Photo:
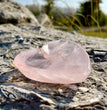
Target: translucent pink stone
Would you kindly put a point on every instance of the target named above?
(60, 62)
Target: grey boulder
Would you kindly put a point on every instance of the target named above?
(15, 13)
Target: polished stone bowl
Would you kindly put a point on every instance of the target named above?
(59, 62)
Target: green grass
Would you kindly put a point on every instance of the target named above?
(90, 33)
(95, 34)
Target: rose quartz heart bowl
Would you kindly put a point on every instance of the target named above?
(58, 62)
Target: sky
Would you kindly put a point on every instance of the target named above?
(72, 3)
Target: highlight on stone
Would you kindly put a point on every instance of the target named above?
(59, 62)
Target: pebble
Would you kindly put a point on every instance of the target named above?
(83, 89)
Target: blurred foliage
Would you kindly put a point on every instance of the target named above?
(92, 14)
(35, 9)
(103, 19)
(95, 34)
(89, 14)
(48, 7)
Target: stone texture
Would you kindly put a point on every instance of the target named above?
(5, 0)
(89, 94)
(20, 93)
(12, 12)
(44, 20)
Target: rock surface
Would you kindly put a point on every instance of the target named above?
(20, 93)
(12, 12)
(5, 0)
(44, 20)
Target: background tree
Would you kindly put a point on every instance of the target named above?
(91, 12)
(34, 8)
(97, 8)
(49, 7)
